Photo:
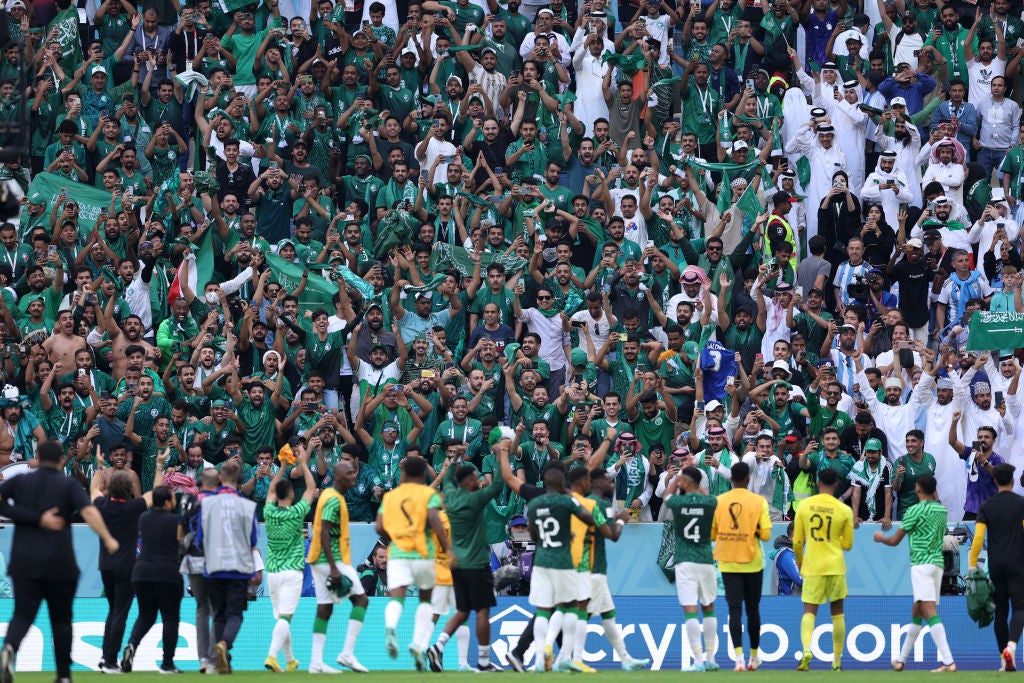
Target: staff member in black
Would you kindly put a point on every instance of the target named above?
(41, 505)
(157, 582)
(1001, 517)
(121, 511)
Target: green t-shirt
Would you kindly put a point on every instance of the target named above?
(385, 460)
(551, 517)
(906, 496)
(925, 525)
(842, 464)
(259, 427)
(692, 514)
(468, 524)
(658, 429)
(284, 526)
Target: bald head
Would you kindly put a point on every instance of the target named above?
(344, 476)
(209, 480)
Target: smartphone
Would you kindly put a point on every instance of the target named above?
(105, 396)
(750, 84)
(999, 399)
(730, 381)
(273, 165)
(498, 170)
(51, 249)
(904, 206)
(576, 323)
(675, 462)
(700, 405)
(937, 26)
(81, 372)
(800, 291)
(426, 374)
(623, 336)
(976, 445)
(542, 238)
(365, 23)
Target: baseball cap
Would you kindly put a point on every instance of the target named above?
(782, 197)
(826, 364)
(847, 328)
(781, 365)
(873, 445)
(915, 243)
(898, 102)
(691, 349)
(36, 198)
(578, 357)
(852, 34)
(931, 236)
(739, 144)
(218, 403)
(713, 404)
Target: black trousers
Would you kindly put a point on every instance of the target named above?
(59, 595)
(118, 589)
(1009, 593)
(228, 598)
(744, 590)
(164, 598)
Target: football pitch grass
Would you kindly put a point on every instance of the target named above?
(822, 674)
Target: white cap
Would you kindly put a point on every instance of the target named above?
(852, 34)
(739, 144)
(781, 365)
(99, 70)
(713, 404)
(898, 102)
(915, 243)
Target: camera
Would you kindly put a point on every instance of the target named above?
(858, 289)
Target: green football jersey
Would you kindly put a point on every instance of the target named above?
(906, 496)
(284, 526)
(692, 514)
(551, 516)
(925, 524)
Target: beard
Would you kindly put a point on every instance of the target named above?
(903, 138)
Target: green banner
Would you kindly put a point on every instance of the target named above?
(995, 330)
(90, 199)
(319, 290)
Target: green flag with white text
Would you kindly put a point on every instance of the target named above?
(995, 330)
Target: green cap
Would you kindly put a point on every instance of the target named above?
(691, 350)
(36, 198)
(510, 351)
(873, 445)
(218, 403)
(392, 425)
(578, 357)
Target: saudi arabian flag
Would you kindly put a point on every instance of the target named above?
(90, 199)
(995, 330)
(64, 28)
(749, 203)
(446, 257)
(319, 290)
(229, 6)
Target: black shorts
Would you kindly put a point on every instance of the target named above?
(474, 589)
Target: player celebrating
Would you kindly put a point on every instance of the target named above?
(284, 519)
(405, 514)
(554, 581)
(602, 488)
(692, 515)
(741, 521)
(472, 580)
(827, 523)
(334, 577)
(925, 524)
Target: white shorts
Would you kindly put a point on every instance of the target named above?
(551, 587)
(405, 572)
(696, 583)
(600, 595)
(285, 589)
(442, 599)
(322, 572)
(926, 581)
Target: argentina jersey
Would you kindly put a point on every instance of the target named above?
(718, 364)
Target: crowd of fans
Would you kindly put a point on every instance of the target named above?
(390, 228)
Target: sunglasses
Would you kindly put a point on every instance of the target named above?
(544, 298)
(714, 248)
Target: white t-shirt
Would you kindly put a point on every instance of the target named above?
(374, 377)
(979, 79)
